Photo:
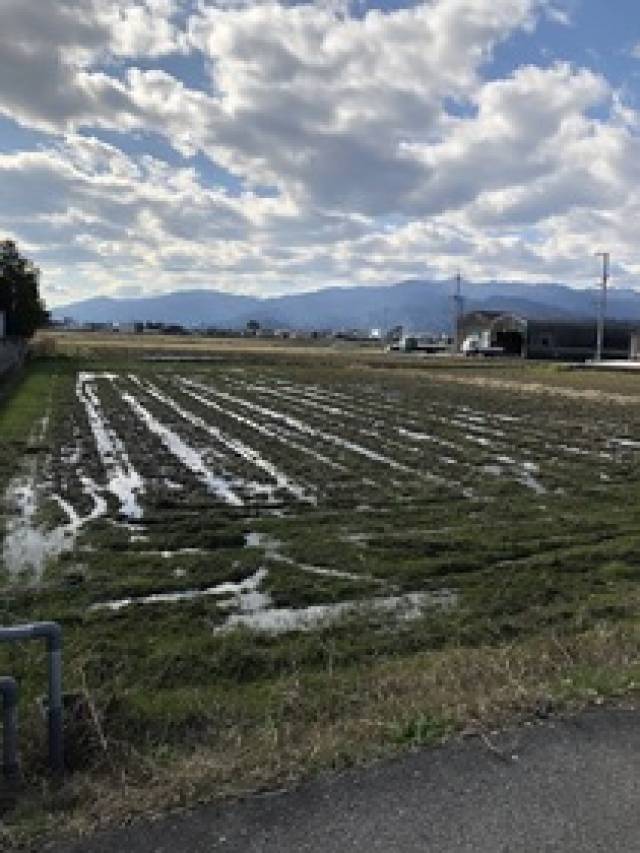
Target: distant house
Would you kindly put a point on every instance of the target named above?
(98, 327)
(517, 335)
(425, 342)
(352, 335)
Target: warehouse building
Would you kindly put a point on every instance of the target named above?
(516, 335)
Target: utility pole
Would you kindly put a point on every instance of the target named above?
(602, 306)
(457, 314)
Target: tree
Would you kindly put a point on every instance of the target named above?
(20, 292)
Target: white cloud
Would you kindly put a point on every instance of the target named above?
(319, 104)
(49, 53)
(344, 118)
(143, 28)
(87, 202)
(560, 12)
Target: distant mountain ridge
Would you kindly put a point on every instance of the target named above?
(416, 305)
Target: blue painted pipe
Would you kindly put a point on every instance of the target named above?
(9, 693)
(52, 633)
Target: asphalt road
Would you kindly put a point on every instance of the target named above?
(562, 785)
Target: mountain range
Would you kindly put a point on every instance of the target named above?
(416, 305)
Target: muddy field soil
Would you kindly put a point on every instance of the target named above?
(207, 532)
(168, 462)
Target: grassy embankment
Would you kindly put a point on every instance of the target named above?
(547, 588)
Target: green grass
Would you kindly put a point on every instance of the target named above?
(545, 585)
(27, 400)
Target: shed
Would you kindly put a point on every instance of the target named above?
(553, 339)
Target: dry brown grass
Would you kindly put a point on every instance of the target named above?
(532, 387)
(360, 716)
(100, 343)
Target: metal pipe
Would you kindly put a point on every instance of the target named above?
(9, 693)
(52, 633)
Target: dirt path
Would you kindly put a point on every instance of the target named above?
(566, 785)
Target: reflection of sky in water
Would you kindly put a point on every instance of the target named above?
(123, 480)
(27, 547)
(280, 619)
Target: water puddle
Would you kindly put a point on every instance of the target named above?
(356, 538)
(260, 428)
(523, 472)
(272, 549)
(478, 439)
(416, 435)
(625, 442)
(307, 429)
(189, 456)
(244, 595)
(123, 480)
(26, 546)
(277, 620)
(248, 454)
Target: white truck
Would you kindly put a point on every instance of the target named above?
(480, 344)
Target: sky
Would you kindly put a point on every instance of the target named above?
(149, 146)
